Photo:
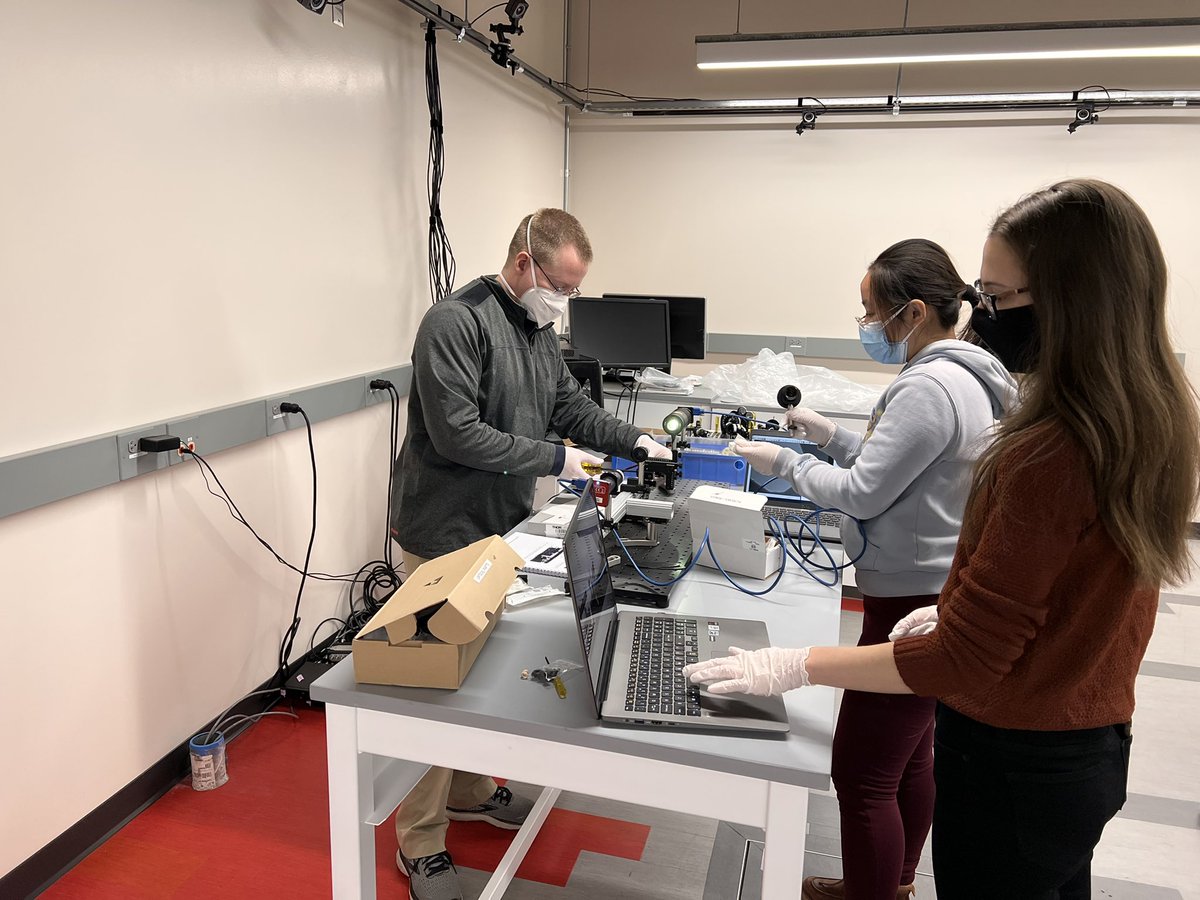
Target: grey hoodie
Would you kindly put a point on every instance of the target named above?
(907, 479)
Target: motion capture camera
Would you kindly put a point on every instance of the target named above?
(808, 121)
(502, 47)
(317, 6)
(1084, 115)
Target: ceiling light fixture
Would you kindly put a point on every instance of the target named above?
(1125, 38)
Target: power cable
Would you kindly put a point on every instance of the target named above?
(441, 255)
(289, 636)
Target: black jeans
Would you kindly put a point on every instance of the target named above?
(1018, 813)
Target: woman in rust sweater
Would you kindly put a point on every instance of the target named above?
(1078, 512)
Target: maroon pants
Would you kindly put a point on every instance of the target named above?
(883, 771)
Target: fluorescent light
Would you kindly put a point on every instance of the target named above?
(987, 43)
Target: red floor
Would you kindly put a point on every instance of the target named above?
(265, 833)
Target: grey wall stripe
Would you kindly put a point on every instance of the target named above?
(38, 477)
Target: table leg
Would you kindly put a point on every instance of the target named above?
(351, 795)
(783, 852)
(507, 868)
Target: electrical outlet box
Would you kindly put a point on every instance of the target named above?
(218, 429)
(278, 422)
(795, 346)
(401, 379)
(132, 462)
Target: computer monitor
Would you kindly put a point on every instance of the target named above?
(622, 334)
(687, 323)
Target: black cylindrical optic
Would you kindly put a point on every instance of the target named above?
(788, 396)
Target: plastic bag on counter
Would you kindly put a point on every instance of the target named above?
(757, 382)
(825, 390)
(663, 381)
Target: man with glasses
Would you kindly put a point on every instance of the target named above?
(489, 386)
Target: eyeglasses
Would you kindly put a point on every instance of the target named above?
(976, 296)
(866, 319)
(570, 295)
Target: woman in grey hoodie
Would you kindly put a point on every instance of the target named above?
(906, 481)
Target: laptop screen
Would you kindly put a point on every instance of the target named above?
(775, 487)
(591, 588)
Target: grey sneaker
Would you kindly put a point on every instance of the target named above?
(431, 877)
(504, 809)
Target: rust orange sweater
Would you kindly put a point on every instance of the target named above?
(1041, 625)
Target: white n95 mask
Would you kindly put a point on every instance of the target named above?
(542, 304)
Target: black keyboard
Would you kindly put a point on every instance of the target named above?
(833, 519)
(662, 646)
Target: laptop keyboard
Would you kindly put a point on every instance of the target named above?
(662, 646)
(833, 519)
(589, 628)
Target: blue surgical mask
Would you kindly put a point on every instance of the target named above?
(875, 341)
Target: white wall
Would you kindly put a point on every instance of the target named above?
(776, 230)
(206, 202)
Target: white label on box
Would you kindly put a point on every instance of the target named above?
(752, 545)
(483, 570)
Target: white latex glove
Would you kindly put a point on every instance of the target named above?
(804, 423)
(771, 670)
(573, 464)
(760, 454)
(653, 447)
(919, 621)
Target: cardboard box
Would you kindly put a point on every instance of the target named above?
(734, 523)
(460, 597)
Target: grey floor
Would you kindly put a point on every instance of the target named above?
(1151, 851)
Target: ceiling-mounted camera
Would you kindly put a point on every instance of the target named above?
(502, 47)
(1085, 114)
(808, 121)
(317, 6)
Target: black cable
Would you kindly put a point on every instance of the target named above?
(289, 636)
(441, 256)
(471, 24)
(313, 639)
(238, 516)
(394, 422)
(633, 416)
(611, 93)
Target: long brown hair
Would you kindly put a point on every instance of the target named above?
(1106, 372)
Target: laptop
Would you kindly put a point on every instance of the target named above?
(633, 659)
(784, 501)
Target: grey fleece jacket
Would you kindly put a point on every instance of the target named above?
(907, 479)
(488, 387)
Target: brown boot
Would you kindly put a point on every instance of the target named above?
(835, 889)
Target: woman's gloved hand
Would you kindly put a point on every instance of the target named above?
(919, 621)
(760, 454)
(771, 670)
(804, 423)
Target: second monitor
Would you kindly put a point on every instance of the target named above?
(629, 333)
(687, 323)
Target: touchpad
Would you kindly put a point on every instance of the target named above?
(729, 705)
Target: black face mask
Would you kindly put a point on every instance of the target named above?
(1013, 336)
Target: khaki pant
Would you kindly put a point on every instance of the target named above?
(421, 821)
